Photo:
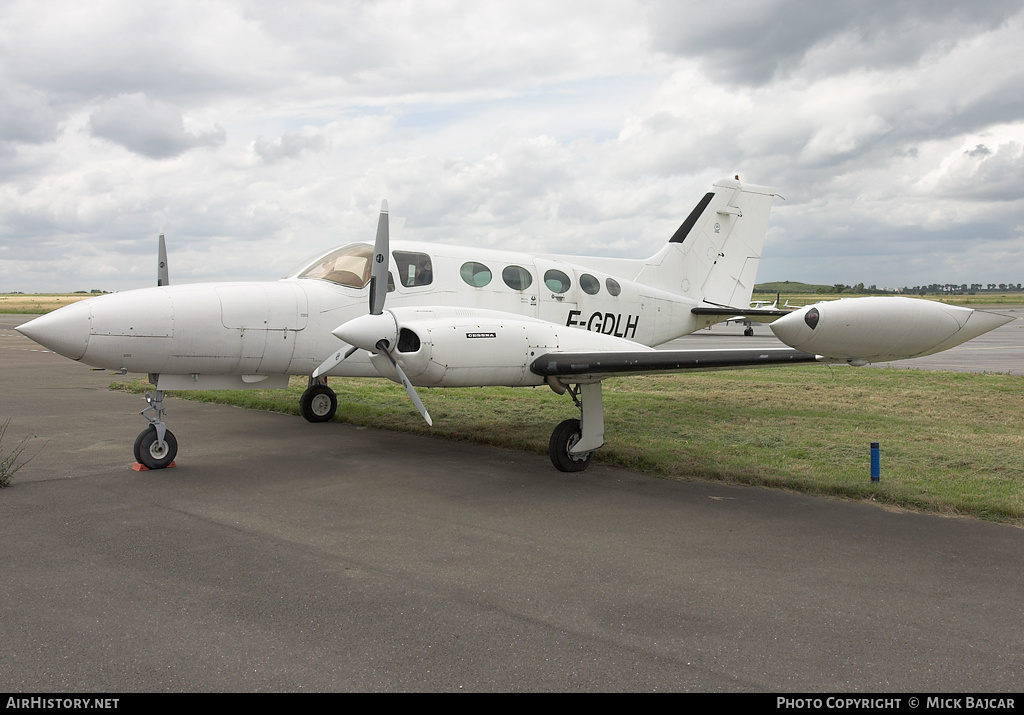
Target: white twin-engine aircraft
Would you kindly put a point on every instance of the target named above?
(464, 317)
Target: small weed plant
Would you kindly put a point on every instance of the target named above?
(10, 461)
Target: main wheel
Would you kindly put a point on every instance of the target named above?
(318, 403)
(152, 455)
(566, 435)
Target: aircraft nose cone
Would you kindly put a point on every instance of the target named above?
(64, 331)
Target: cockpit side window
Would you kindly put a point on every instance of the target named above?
(414, 269)
(347, 266)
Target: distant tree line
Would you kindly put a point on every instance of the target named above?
(861, 289)
(935, 289)
(964, 288)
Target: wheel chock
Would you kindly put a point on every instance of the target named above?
(143, 468)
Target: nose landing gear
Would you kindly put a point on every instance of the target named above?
(156, 446)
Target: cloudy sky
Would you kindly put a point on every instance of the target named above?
(255, 133)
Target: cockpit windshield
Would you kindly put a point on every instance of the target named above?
(348, 266)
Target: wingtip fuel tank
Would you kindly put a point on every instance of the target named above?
(879, 329)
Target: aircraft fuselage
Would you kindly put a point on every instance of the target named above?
(284, 327)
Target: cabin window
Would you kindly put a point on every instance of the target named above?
(612, 285)
(414, 269)
(347, 266)
(556, 281)
(475, 274)
(516, 277)
(589, 284)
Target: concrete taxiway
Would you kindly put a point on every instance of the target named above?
(281, 555)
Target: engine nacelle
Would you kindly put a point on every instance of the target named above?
(457, 347)
(879, 329)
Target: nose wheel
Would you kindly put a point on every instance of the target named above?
(155, 447)
(151, 453)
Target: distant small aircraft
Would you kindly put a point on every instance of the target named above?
(758, 304)
(755, 306)
(461, 317)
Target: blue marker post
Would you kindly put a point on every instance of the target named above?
(876, 470)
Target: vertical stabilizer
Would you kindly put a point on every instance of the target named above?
(714, 255)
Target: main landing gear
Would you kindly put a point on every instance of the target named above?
(155, 447)
(573, 442)
(318, 403)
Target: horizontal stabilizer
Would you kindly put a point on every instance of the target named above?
(741, 312)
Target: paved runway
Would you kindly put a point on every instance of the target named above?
(282, 555)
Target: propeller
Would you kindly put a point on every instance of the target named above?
(409, 389)
(161, 263)
(379, 269)
(375, 332)
(334, 360)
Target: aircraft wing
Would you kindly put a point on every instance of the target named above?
(600, 365)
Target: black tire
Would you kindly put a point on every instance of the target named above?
(749, 332)
(318, 404)
(148, 454)
(565, 436)
(138, 445)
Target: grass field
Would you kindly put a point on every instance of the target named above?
(951, 443)
(38, 303)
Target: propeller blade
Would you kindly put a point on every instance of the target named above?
(335, 359)
(379, 270)
(409, 389)
(162, 278)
